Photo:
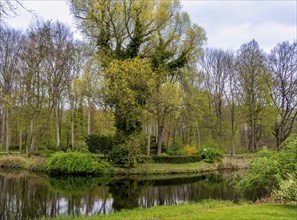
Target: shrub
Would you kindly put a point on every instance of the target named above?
(125, 155)
(265, 153)
(261, 178)
(174, 149)
(211, 154)
(287, 156)
(99, 143)
(177, 159)
(272, 171)
(189, 150)
(119, 156)
(287, 190)
(75, 163)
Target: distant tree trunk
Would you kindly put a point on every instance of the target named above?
(7, 131)
(72, 128)
(148, 148)
(58, 143)
(89, 116)
(21, 138)
(198, 135)
(159, 141)
(2, 131)
(233, 127)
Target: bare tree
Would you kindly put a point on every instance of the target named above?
(251, 69)
(59, 66)
(283, 88)
(216, 71)
(10, 44)
(8, 9)
(231, 93)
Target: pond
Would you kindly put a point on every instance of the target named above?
(25, 195)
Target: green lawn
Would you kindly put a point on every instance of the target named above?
(158, 168)
(206, 210)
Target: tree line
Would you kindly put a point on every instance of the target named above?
(142, 70)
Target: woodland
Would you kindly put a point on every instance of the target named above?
(142, 75)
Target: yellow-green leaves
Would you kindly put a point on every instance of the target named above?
(128, 86)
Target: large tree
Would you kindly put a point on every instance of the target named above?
(251, 70)
(10, 46)
(157, 30)
(283, 88)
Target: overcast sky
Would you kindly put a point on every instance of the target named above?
(228, 24)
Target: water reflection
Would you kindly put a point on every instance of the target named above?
(28, 196)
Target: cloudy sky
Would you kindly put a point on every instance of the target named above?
(228, 23)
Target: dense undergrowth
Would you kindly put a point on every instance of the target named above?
(272, 174)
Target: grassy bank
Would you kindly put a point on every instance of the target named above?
(209, 209)
(36, 163)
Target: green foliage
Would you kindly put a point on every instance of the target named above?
(265, 153)
(261, 178)
(99, 143)
(210, 154)
(287, 190)
(75, 163)
(119, 157)
(177, 159)
(270, 171)
(128, 86)
(174, 149)
(126, 155)
(189, 150)
(287, 156)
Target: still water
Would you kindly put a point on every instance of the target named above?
(24, 195)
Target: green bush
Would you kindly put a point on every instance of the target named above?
(287, 156)
(126, 155)
(210, 154)
(177, 159)
(261, 178)
(287, 190)
(99, 143)
(75, 163)
(174, 149)
(272, 171)
(119, 156)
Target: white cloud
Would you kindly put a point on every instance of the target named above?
(228, 24)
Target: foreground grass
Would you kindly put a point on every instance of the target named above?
(206, 210)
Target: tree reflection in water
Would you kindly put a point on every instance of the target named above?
(28, 196)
